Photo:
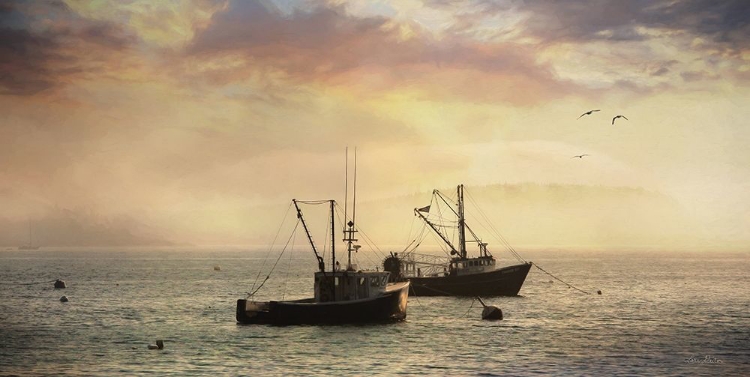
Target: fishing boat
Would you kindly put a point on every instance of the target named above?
(30, 245)
(341, 296)
(458, 274)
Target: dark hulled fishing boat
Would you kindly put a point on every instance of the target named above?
(341, 297)
(349, 296)
(460, 275)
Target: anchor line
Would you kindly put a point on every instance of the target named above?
(34, 283)
(413, 293)
(560, 280)
(470, 306)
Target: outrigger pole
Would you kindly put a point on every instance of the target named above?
(439, 233)
(321, 263)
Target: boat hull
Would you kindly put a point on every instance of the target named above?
(506, 281)
(389, 307)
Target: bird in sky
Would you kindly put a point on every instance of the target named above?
(587, 113)
(619, 116)
(580, 156)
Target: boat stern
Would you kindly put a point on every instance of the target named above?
(251, 311)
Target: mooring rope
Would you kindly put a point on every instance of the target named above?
(470, 306)
(34, 283)
(414, 294)
(560, 280)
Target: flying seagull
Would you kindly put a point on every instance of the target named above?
(619, 116)
(580, 156)
(587, 113)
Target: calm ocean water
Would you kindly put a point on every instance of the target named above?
(666, 313)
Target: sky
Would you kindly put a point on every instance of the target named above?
(186, 116)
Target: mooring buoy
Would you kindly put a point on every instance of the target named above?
(158, 346)
(64, 299)
(490, 312)
(59, 284)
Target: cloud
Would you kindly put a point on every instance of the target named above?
(690, 76)
(373, 53)
(45, 45)
(628, 34)
(724, 22)
(24, 59)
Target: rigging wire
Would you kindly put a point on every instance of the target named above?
(277, 260)
(494, 230)
(272, 245)
(314, 202)
(365, 237)
(421, 236)
(408, 235)
(288, 266)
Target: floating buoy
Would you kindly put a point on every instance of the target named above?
(59, 284)
(490, 312)
(64, 299)
(158, 346)
(599, 292)
(217, 268)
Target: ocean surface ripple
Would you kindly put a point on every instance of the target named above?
(667, 313)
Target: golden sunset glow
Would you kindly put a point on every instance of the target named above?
(186, 121)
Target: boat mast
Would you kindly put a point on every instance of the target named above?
(321, 263)
(333, 237)
(461, 230)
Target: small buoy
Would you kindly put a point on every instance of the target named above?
(599, 292)
(217, 268)
(490, 312)
(158, 346)
(64, 299)
(59, 284)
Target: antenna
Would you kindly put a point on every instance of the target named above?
(354, 202)
(346, 184)
(349, 228)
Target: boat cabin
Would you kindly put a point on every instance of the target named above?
(471, 266)
(349, 285)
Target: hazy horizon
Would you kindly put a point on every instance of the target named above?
(196, 122)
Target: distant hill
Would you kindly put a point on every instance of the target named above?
(64, 227)
(548, 215)
(533, 215)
